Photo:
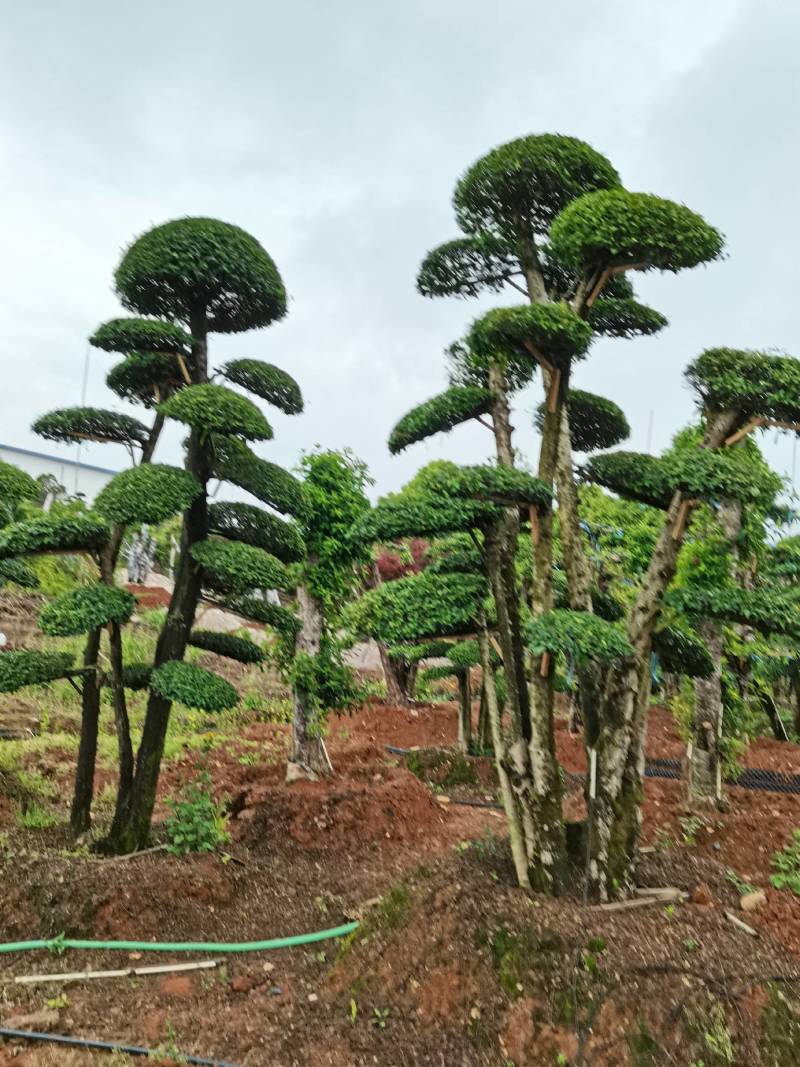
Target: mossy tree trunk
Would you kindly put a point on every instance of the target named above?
(464, 710)
(308, 757)
(134, 828)
(83, 792)
(620, 747)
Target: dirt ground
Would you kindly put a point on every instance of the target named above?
(451, 964)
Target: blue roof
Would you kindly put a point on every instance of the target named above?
(57, 459)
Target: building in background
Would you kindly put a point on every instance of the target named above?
(62, 477)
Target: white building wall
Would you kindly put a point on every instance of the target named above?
(76, 477)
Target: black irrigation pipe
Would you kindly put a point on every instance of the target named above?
(750, 778)
(104, 1046)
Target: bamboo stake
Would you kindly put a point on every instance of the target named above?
(552, 396)
(544, 666)
(184, 369)
(743, 432)
(533, 515)
(126, 972)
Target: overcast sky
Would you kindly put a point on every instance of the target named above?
(334, 132)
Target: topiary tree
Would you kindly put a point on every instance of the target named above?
(526, 209)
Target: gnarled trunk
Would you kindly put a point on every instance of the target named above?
(308, 757)
(400, 677)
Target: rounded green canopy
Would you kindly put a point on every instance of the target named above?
(79, 532)
(617, 228)
(86, 608)
(420, 606)
(241, 649)
(420, 515)
(149, 493)
(267, 381)
(16, 485)
(524, 184)
(193, 686)
(18, 669)
(468, 266)
(236, 568)
(594, 422)
(216, 409)
(91, 424)
(553, 329)
(680, 651)
(257, 527)
(194, 266)
(579, 635)
(234, 462)
(141, 335)
(442, 412)
(754, 383)
(145, 377)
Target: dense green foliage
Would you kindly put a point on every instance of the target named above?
(149, 493)
(239, 648)
(419, 607)
(770, 611)
(757, 384)
(553, 329)
(442, 412)
(276, 617)
(633, 475)
(90, 424)
(141, 335)
(199, 265)
(578, 635)
(334, 485)
(624, 317)
(79, 531)
(234, 462)
(17, 573)
(215, 409)
(618, 228)
(15, 486)
(468, 266)
(492, 484)
(722, 474)
(234, 568)
(418, 515)
(86, 608)
(468, 367)
(594, 422)
(267, 381)
(518, 188)
(144, 377)
(257, 527)
(414, 653)
(681, 652)
(193, 686)
(18, 669)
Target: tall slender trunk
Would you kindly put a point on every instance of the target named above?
(83, 791)
(134, 830)
(123, 729)
(309, 756)
(464, 709)
(400, 678)
(620, 747)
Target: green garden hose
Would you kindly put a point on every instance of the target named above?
(59, 944)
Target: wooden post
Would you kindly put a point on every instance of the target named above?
(544, 666)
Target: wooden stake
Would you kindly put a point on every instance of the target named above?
(184, 369)
(552, 396)
(680, 519)
(745, 430)
(496, 646)
(544, 666)
(598, 287)
(533, 515)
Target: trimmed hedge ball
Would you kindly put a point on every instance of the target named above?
(267, 381)
(229, 645)
(579, 635)
(144, 377)
(16, 485)
(149, 493)
(755, 383)
(420, 606)
(617, 228)
(216, 409)
(232, 567)
(193, 686)
(525, 183)
(422, 516)
(86, 608)
(439, 414)
(254, 526)
(91, 424)
(78, 532)
(234, 462)
(18, 669)
(141, 335)
(191, 265)
(595, 423)
(614, 317)
(554, 329)
(272, 615)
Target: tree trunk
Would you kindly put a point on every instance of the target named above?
(400, 678)
(81, 817)
(464, 710)
(620, 748)
(123, 730)
(173, 639)
(309, 756)
(83, 791)
(705, 775)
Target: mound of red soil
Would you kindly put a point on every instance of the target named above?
(344, 814)
(150, 596)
